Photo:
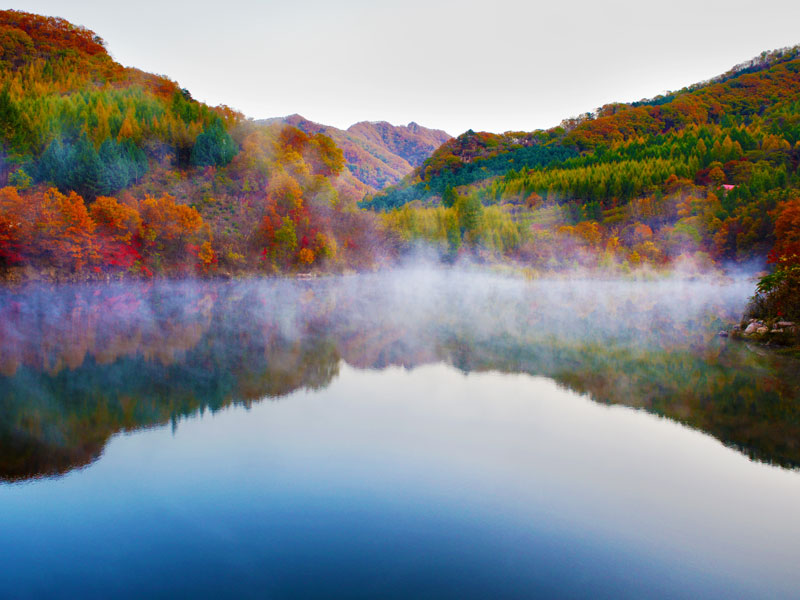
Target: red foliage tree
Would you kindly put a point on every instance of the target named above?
(787, 233)
(118, 227)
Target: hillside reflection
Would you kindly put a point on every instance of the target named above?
(81, 363)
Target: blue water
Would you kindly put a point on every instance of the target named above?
(422, 483)
(419, 434)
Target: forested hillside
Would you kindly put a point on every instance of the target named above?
(108, 171)
(703, 173)
(112, 171)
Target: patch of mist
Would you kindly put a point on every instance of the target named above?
(417, 307)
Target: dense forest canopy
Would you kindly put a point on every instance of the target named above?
(704, 173)
(109, 171)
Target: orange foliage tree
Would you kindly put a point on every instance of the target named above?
(47, 228)
(17, 218)
(171, 232)
(787, 233)
(66, 231)
(118, 227)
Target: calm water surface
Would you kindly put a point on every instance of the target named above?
(410, 435)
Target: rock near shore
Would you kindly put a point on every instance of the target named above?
(770, 331)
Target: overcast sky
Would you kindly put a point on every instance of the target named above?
(491, 65)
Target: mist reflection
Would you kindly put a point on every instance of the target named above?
(81, 363)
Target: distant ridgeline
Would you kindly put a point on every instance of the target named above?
(701, 173)
(470, 158)
(376, 154)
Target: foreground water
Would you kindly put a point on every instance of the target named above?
(416, 434)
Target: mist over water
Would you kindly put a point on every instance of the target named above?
(176, 347)
(423, 431)
(54, 327)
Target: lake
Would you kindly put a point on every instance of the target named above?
(420, 433)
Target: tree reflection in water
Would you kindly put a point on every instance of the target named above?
(80, 363)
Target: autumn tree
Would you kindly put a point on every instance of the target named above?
(118, 228)
(778, 293)
(17, 223)
(787, 233)
(170, 232)
(65, 231)
(324, 155)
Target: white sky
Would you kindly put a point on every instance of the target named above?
(453, 65)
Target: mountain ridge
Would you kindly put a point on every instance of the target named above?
(704, 174)
(377, 154)
(619, 122)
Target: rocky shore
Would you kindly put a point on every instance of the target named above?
(770, 332)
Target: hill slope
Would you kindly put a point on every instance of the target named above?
(110, 171)
(702, 172)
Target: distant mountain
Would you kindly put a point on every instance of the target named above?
(377, 154)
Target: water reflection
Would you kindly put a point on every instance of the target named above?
(80, 363)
